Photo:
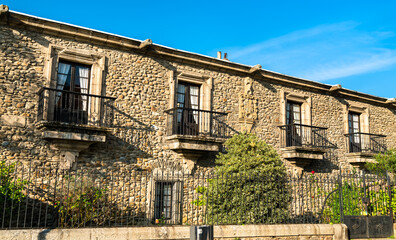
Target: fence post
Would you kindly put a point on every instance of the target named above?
(340, 198)
(389, 183)
(201, 232)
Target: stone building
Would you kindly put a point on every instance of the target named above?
(81, 97)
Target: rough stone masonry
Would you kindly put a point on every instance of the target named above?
(143, 78)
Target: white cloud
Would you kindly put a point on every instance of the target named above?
(294, 36)
(323, 52)
(340, 70)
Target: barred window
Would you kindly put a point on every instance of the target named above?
(163, 200)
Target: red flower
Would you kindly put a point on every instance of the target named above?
(313, 172)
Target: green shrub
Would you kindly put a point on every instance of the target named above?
(352, 196)
(82, 203)
(384, 162)
(380, 203)
(11, 190)
(352, 202)
(250, 185)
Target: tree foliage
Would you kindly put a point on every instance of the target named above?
(384, 162)
(11, 192)
(250, 185)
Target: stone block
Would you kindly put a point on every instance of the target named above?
(13, 121)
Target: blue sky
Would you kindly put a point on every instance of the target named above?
(352, 43)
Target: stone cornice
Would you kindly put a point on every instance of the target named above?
(93, 36)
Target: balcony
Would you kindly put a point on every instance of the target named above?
(194, 132)
(361, 147)
(72, 121)
(303, 144)
(74, 108)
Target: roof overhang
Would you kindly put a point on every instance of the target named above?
(78, 33)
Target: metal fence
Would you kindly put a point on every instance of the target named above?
(46, 197)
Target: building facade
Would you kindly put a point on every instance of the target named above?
(72, 96)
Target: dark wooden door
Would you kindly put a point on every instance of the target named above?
(354, 132)
(71, 103)
(293, 122)
(187, 117)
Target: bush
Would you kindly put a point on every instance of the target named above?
(385, 162)
(250, 185)
(81, 203)
(11, 191)
(352, 196)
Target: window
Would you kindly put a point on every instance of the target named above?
(293, 122)
(190, 103)
(163, 200)
(165, 196)
(354, 132)
(295, 108)
(187, 101)
(71, 101)
(74, 76)
(356, 128)
(293, 113)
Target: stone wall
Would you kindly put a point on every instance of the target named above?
(284, 232)
(140, 82)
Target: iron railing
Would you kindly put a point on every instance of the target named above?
(75, 108)
(303, 135)
(121, 195)
(197, 122)
(365, 142)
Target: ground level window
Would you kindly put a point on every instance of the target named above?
(163, 200)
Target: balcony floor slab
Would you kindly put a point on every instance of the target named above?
(302, 156)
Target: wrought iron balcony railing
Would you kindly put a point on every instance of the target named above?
(75, 108)
(304, 136)
(196, 122)
(365, 142)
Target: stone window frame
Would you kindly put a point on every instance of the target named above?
(205, 83)
(169, 176)
(98, 63)
(306, 106)
(205, 89)
(364, 117)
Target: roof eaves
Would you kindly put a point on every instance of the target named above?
(222, 63)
